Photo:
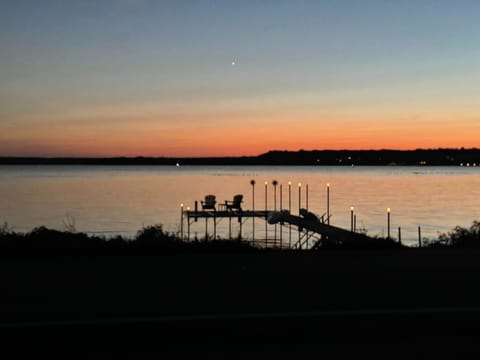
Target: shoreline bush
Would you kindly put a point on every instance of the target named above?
(153, 240)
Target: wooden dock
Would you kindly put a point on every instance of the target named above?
(307, 224)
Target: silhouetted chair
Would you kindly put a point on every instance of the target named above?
(209, 202)
(236, 204)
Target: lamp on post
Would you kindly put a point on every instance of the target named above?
(289, 196)
(328, 203)
(289, 211)
(275, 183)
(266, 183)
(252, 182)
(388, 223)
(266, 230)
(351, 218)
(188, 225)
(299, 197)
(181, 221)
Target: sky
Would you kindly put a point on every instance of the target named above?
(230, 78)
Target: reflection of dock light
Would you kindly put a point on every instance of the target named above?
(289, 183)
(188, 208)
(388, 209)
(299, 184)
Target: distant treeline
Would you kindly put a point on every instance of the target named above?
(466, 157)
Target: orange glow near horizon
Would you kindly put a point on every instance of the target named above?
(237, 140)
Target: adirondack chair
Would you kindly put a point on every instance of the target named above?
(236, 204)
(209, 203)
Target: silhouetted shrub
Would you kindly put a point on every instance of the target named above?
(462, 237)
(153, 237)
(153, 240)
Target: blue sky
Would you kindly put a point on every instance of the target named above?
(80, 67)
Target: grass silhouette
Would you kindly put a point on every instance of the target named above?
(154, 240)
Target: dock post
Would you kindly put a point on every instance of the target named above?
(354, 222)
(214, 226)
(206, 229)
(240, 229)
(196, 210)
(306, 205)
(419, 237)
(399, 235)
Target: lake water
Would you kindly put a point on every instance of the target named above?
(121, 199)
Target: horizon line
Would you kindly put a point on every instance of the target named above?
(228, 156)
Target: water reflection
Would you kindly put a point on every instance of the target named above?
(122, 199)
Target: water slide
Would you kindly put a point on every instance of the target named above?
(309, 221)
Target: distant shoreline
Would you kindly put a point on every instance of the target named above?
(419, 157)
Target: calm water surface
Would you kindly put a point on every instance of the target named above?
(122, 199)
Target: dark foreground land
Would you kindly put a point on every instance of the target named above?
(69, 294)
(396, 303)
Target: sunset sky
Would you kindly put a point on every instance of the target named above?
(215, 78)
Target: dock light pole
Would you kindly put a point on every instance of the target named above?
(351, 218)
(328, 203)
(266, 183)
(289, 196)
(281, 196)
(388, 223)
(275, 183)
(289, 212)
(307, 198)
(266, 232)
(299, 197)
(188, 225)
(299, 208)
(252, 182)
(181, 221)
